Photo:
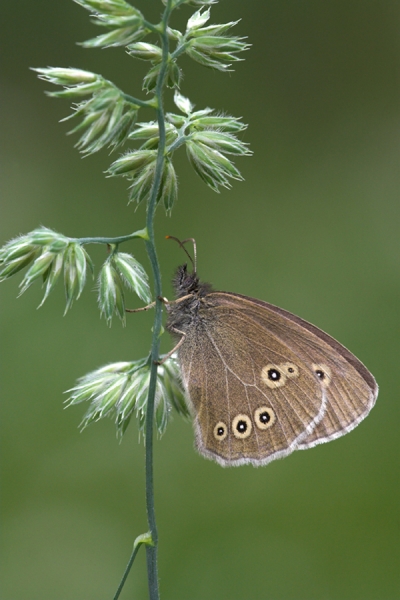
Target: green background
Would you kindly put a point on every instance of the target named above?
(314, 228)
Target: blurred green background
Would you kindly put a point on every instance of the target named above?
(314, 228)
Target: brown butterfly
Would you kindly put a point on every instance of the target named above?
(260, 381)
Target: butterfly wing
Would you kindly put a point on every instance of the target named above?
(264, 383)
(351, 389)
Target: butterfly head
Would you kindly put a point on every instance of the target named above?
(186, 283)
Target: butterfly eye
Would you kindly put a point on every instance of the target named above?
(264, 417)
(323, 373)
(273, 376)
(220, 431)
(241, 426)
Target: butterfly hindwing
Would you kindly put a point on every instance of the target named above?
(242, 414)
(263, 382)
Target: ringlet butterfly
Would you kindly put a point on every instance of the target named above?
(261, 382)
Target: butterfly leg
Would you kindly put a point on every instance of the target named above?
(134, 310)
(175, 348)
(163, 300)
(151, 305)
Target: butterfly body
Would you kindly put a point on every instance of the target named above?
(260, 381)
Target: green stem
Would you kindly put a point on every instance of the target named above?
(151, 551)
(154, 28)
(148, 235)
(180, 141)
(180, 49)
(137, 102)
(116, 240)
(126, 573)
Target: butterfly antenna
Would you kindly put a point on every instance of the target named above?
(194, 263)
(171, 237)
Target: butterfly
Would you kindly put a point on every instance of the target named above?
(260, 381)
